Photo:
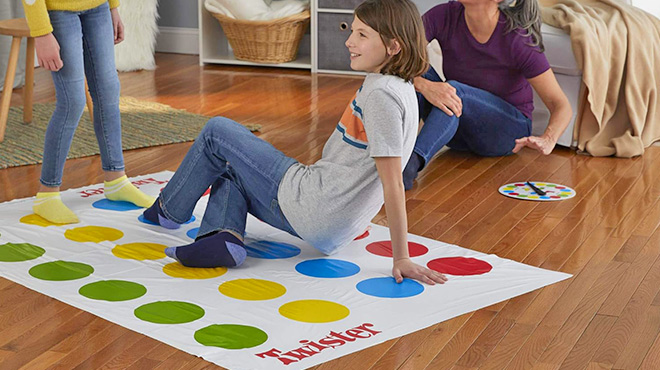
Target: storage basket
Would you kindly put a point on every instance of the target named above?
(273, 41)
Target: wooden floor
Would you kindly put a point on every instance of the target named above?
(606, 317)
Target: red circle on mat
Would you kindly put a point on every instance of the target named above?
(384, 249)
(460, 266)
(207, 192)
(364, 235)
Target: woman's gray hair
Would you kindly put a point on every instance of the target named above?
(524, 14)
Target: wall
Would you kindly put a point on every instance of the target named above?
(650, 6)
(178, 27)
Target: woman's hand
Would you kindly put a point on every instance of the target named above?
(48, 52)
(543, 144)
(117, 25)
(441, 95)
(406, 268)
(553, 97)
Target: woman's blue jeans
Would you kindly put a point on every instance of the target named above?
(488, 126)
(243, 171)
(86, 40)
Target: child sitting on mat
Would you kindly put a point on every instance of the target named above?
(332, 201)
(75, 40)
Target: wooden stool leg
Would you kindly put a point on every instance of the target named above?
(9, 85)
(29, 82)
(90, 105)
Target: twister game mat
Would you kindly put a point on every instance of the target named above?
(287, 307)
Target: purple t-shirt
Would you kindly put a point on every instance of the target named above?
(501, 66)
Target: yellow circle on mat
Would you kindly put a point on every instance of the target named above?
(94, 234)
(178, 270)
(36, 220)
(140, 251)
(314, 311)
(252, 289)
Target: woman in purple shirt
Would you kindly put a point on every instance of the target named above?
(492, 57)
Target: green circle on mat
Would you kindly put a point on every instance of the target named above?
(230, 336)
(61, 271)
(113, 290)
(169, 312)
(12, 252)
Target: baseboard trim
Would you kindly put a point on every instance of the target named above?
(178, 40)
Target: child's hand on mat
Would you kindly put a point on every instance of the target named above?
(117, 25)
(48, 52)
(443, 96)
(543, 144)
(407, 268)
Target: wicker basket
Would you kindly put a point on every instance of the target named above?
(273, 41)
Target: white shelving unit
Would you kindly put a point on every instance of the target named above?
(215, 49)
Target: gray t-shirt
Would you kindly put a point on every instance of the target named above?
(332, 201)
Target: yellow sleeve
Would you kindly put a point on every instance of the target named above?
(37, 17)
(113, 3)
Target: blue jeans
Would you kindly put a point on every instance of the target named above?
(86, 41)
(244, 173)
(488, 126)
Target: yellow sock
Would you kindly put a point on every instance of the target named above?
(49, 206)
(122, 189)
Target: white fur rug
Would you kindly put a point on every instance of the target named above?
(136, 52)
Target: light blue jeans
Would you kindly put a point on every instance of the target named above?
(86, 41)
(243, 171)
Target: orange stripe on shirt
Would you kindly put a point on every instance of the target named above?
(353, 124)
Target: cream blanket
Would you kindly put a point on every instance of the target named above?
(617, 46)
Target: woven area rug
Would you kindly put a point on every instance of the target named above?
(144, 124)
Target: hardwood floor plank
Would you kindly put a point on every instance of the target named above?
(630, 319)
(439, 337)
(652, 359)
(42, 361)
(463, 339)
(641, 340)
(588, 343)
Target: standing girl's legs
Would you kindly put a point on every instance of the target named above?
(70, 94)
(244, 173)
(86, 48)
(103, 81)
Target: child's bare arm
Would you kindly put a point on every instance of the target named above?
(389, 171)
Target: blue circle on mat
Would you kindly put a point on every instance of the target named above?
(192, 233)
(566, 190)
(271, 250)
(387, 287)
(145, 221)
(508, 191)
(327, 268)
(544, 197)
(115, 205)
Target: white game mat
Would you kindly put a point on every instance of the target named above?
(287, 307)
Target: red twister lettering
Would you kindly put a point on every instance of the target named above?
(310, 348)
